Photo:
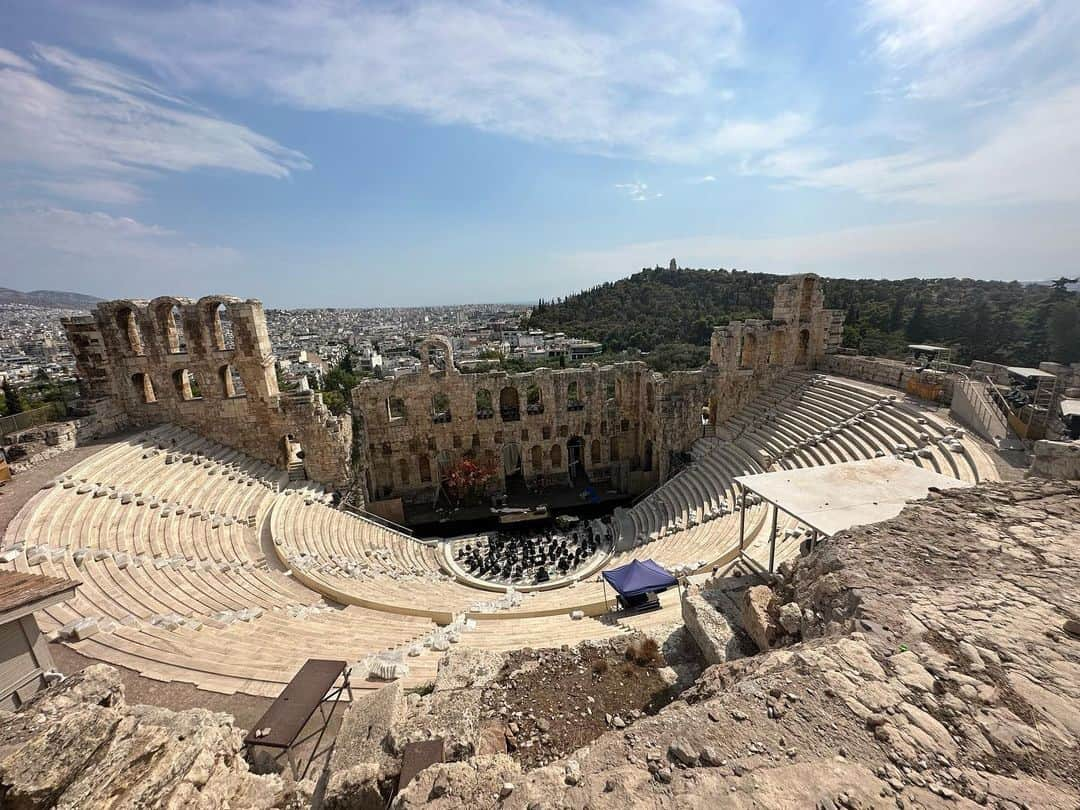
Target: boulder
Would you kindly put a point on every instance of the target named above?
(790, 617)
(759, 616)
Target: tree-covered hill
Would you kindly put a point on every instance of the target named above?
(672, 311)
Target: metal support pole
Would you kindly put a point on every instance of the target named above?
(742, 518)
(772, 538)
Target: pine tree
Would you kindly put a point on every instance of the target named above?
(11, 398)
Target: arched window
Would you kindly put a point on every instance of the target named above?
(536, 456)
(425, 469)
(646, 457)
(484, 407)
(749, 349)
(594, 452)
(170, 321)
(614, 448)
(144, 387)
(534, 399)
(232, 385)
(186, 385)
(509, 407)
(403, 472)
(129, 328)
(573, 397)
(221, 328)
(556, 456)
(440, 408)
(395, 408)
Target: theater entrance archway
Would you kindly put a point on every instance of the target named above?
(575, 457)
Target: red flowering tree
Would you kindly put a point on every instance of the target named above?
(467, 479)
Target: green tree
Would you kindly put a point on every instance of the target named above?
(1063, 331)
(13, 403)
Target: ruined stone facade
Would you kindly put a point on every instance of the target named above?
(207, 365)
(616, 425)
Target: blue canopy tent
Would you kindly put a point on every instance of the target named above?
(635, 580)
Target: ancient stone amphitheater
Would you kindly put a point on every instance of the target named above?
(201, 564)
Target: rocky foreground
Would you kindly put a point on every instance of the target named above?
(930, 661)
(935, 670)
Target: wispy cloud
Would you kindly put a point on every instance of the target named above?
(639, 192)
(641, 79)
(82, 128)
(50, 246)
(707, 178)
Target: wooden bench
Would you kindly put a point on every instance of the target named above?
(310, 688)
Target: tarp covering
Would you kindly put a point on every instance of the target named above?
(638, 577)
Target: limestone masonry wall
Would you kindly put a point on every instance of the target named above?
(206, 365)
(616, 426)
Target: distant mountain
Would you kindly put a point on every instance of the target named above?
(57, 299)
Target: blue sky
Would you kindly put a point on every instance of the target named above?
(330, 153)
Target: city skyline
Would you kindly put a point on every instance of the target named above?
(368, 155)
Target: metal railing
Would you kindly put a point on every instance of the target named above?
(32, 418)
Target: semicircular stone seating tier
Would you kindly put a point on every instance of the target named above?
(163, 531)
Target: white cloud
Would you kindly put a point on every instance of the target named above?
(707, 178)
(638, 192)
(1031, 156)
(1033, 247)
(48, 247)
(643, 79)
(92, 131)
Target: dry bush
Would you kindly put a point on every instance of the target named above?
(644, 652)
(600, 666)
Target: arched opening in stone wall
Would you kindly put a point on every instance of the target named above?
(170, 323)
(711, 411)
(129, 328)
(424, 463)
(804, 348)
(404, 473)
(536, 459)
(221, 328)
(509, 404)
(511, 464)
(749, 349)
(395, 408)
(484, 407)
(144, 387)
(186, 385)
(575, 456)
(573, 396)
(440, 408)
(555, 456)
(294, 451)
(650, 396)
(534, 399)
(595, 453)
(647, 456)
(614, 449)
(232, 384)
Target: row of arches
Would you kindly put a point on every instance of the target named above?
(167, 321)
(185, 385)
(508, 406)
